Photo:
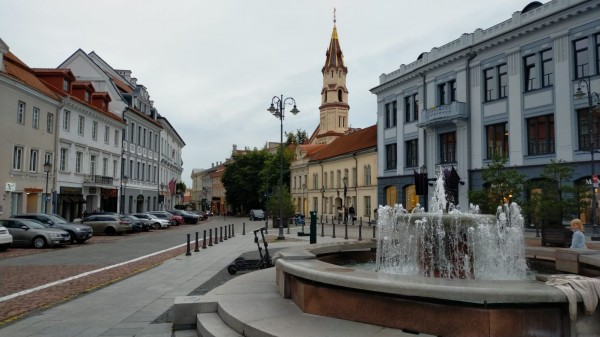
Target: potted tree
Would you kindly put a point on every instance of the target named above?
(273, 207)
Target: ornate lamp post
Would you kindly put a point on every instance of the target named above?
(125, 180)
(277, 109)
(424, 182)
(590, 96)
(47, 169)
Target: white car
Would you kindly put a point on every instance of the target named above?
(154, 221)
(5, 238)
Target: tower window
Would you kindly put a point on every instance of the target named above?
(340, 95)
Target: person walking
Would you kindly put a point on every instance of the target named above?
(578, 240)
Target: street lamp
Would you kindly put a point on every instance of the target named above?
(277, 109)
(424, 184)
(47, 169)
(125, 180)
(590, 96)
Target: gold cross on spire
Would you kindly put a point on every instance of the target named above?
(334, 15)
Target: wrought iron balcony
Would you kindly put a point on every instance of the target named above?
(97, 180)
(443, 114)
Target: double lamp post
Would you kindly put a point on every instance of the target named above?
(591, 96)
(277, 109)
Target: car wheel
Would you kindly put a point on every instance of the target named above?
(81, 240)
(156, 226)
(110, 231)
(232, 269)
(3, 248)
(39, 242)
(73, 237)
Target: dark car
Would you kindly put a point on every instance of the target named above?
(137, 225)
(188, 218)
(201, 215)
(256, 215)
(79, 233)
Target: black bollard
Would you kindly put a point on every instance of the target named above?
(221, 234)
(360, 221)
(360, 232)
(333, 228)
(204, 240)
(210, 238)
(323, 228)
(187, 253)
(373, 232)
(196, 249)
(233, 230)
(225, 236)
(216, 240)
(244, 228)
(346, 231)
(369, 220)
(229, 232)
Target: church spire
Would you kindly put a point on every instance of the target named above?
(334, 58)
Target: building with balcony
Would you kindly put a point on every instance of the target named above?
(508, 89)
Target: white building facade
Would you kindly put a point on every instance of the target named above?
(507, 90)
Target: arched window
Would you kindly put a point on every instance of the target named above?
(391, 198)
(339, 179)
(331, 179)
(367, 175)
(411, 198)
(325, 180)
(340, 95)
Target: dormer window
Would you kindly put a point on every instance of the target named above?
(65, 85)
(87, 96)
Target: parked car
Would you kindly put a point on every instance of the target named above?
(108, 224)
(153, 221)
(175, 220)
(79, 233)
(188, 217)
(257, 214)
(26, 232)
(137, 225)
(201, 215)
(5, 238)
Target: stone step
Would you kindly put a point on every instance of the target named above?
(185, 333)
(211, 325)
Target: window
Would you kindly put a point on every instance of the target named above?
(448, 147)
(325, 180)
(390, 114)
(367, 175)
(411, 108)
(584, 130)
(442, 94)
(67, 120)
(48, 157)
(367, 203)
(390, 156)
(354, 177)
(547, 68)
(21, 113)
(65, 85)
(50, 123)
(315, 181)
(92, 165)
(117, 138)
(35, 118)
(106, 135)
(17, 158)
(495, 82)
(131, 134)
(63, 159)
(489, 85)
(81, 126)
(114, 169)
(331, 177)
(540, 135)
(33, 160)
(502, 80)
(497, 140)
(530, 78)
(139, 135)
(582, 66)
(597, 53)
(78, 161)
(452, 85)
(412, 158)
(338, 179)
(105, 166)
(95, 130)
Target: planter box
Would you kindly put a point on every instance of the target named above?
(556, 236)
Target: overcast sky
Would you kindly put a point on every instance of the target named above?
(213, 66)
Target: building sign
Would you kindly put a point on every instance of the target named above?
(70, 190)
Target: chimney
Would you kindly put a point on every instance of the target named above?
(133, 81)
(126, 74)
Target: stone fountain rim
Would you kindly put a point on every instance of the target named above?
(303, 262)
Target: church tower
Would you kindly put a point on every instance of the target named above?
(334, 94)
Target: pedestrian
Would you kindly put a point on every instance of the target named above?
(352, 214)
(578, 240)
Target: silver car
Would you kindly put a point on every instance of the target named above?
(108, 224)
(27, 232)
(79, 233)
(5, 238)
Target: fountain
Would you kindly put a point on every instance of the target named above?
(451, 245)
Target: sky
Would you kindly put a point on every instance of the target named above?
(213, 67)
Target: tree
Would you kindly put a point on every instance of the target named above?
(243, 179)
(288, 205)
(501, 184)
(300, 137)
(553, 197)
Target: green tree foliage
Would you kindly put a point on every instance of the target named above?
(500, 185)
(300, 137)
(553, 197)
(273, 204)
(243, 179)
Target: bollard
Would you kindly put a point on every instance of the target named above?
(221, 234)
(333, 226)
(360, 232)
(187, 252)
(233, 230)
(323, 228)
(196, 249)
(204, 240)
(244, 228)
(216, 240)
(373, 232)
(360, 221)
(210, 238)
(346, 231)
(369, 220)
(229, 231)
(225, 236)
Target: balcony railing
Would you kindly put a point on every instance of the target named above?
(98, 180)
(443, 114)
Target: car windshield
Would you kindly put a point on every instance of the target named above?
(32, 224)
(152, 216)
(142, 216)
(57, 219)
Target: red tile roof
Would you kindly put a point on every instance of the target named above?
(19, 71)
(360, 140)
